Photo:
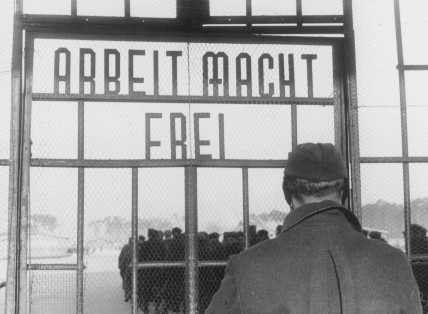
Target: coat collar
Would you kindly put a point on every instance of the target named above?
(308, 210)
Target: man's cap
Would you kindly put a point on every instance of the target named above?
(316, 162)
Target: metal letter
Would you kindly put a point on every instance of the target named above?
(198, 141)
(269, 58)
(86, 78)
(111, 78)
(215, 80)
(174, 55)
(174, 141)
(309, 58)
(57, 76)
(282, 81)
(239, 80)
(131, 78)
(149, 142)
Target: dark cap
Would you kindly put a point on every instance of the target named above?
(316, 162)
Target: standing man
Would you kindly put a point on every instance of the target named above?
(321, 262)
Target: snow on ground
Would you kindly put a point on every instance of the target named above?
(53, 292)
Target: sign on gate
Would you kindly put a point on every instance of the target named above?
(181, 77)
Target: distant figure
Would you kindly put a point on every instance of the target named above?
(150, 280)
(174, 286)
(419, 246)
(262, 235)
(252, 234)
(125, 258)
(278, 230)
(376, 235)
(321, 262)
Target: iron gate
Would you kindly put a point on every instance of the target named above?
(211, 78)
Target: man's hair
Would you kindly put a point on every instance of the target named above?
(297, 187)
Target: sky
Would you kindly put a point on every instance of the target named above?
(117, 130)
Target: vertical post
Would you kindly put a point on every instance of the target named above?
(25, 183)
(191, 297)
(248, 13)
(352, 102)
(127, 8)
(245, 207)
(73, 7)
(404, 135)
(340, 123)
(293, 126)
(80, 207)
(134, 239)
(299, 13)
(15, 170)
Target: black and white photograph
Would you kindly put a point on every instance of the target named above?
(213, 157)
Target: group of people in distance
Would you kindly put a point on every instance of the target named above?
(163, 287)
(321, 260)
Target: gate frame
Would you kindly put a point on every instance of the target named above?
(20, 153)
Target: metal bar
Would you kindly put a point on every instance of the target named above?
(25, 187)
(73, 8)
(153, 163)
(143, 265)
(127, 8)
(245, 207)
(404, 135)
(277, 19)
(248, 13)
(134, 240)
(15, 170)
(107, 26)
(340, 122)
(52, 267)
(31, 19)
(4, 162)
(421, 159)
(419, 259)
(413, 67)
(191, 219)
(80, 207)
(187, 99)
(352, 103)
(299, 13)
(294, 129)
(197, 37)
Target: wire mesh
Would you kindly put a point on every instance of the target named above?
(272, 7)
(161, 238)
(100, 8)
(417, 131)
(413, 20)
(57, 7)
(380, 132)
(260, 132)
(419, 207)
(154, 8)
(315, 124)
(53, 218)
(4, 184)
(420, 271)
(54, 130)
(4, 113)
(268, 70)
(52, 292)
(267, 204)
(376, 55)
(382, 203)
(107, 229)
(415, 86)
